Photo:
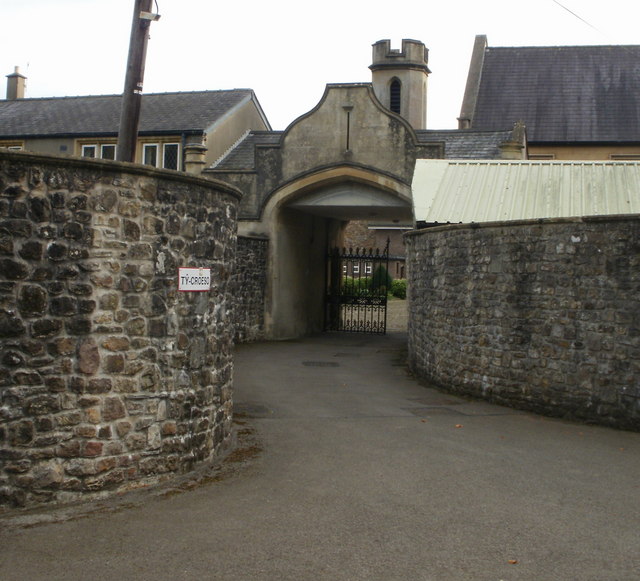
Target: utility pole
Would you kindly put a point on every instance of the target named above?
(132, 96)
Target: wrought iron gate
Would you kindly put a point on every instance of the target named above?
(357, 285)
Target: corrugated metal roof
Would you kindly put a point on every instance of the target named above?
(488, 191)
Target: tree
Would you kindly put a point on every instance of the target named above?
(381, 279)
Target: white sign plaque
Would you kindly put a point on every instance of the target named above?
(194, 279)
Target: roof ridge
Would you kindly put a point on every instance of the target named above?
(621, 46)
(119, 95)
(57, 98)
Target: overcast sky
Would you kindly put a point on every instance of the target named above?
(286, 51)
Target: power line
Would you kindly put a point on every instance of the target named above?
(577, 16)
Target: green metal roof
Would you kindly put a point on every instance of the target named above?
(487, 191)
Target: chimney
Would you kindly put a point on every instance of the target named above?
(16, 84)
(465, 121)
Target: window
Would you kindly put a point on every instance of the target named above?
(150, 154)
(394, 96)
(108, 151)
(158, 154)
(625, 157)
(170, 156)
(168, 159)
(89, 150)
(541, 156)
(368, 268)
(96, 150)
(12, 145)
(355, 268)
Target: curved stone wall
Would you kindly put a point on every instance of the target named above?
(539, 315)
(110, 378)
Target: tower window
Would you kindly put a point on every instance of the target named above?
(394, 96)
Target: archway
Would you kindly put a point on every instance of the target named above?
(305, 218)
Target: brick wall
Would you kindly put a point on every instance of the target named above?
(109, 377)
(543, 316)
(358, 235)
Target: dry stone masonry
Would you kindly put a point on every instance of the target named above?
(540, 315)
(110, 377)
(249, 286)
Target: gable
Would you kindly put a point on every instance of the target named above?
(349, 125)
(562, 94)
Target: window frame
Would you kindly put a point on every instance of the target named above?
(624, 156)
(113, 145)
(12, 145)
(542, 156)
(166, 145)
(86, 146)
(161, 147)
(147, 147)
(98, 145)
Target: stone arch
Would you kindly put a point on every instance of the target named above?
(302, 219)
(388, 186)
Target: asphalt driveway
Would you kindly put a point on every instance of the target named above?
(349, 469)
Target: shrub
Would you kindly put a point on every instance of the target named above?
(399, 288)
(356, 286)
(381, 278)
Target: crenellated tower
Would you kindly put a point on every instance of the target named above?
(399, 79)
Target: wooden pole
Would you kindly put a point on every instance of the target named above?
(132, 96)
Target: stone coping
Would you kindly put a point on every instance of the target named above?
(111, 166)
(525, 222)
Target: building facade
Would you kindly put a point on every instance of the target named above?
(180, 131)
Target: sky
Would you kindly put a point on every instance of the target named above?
(286, 51)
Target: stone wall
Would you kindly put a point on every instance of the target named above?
(109, 377)
(249, 284)
(543, 315)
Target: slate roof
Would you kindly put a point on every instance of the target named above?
(161, 113)
(563, 94)
(467, 144)
(242, 156)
